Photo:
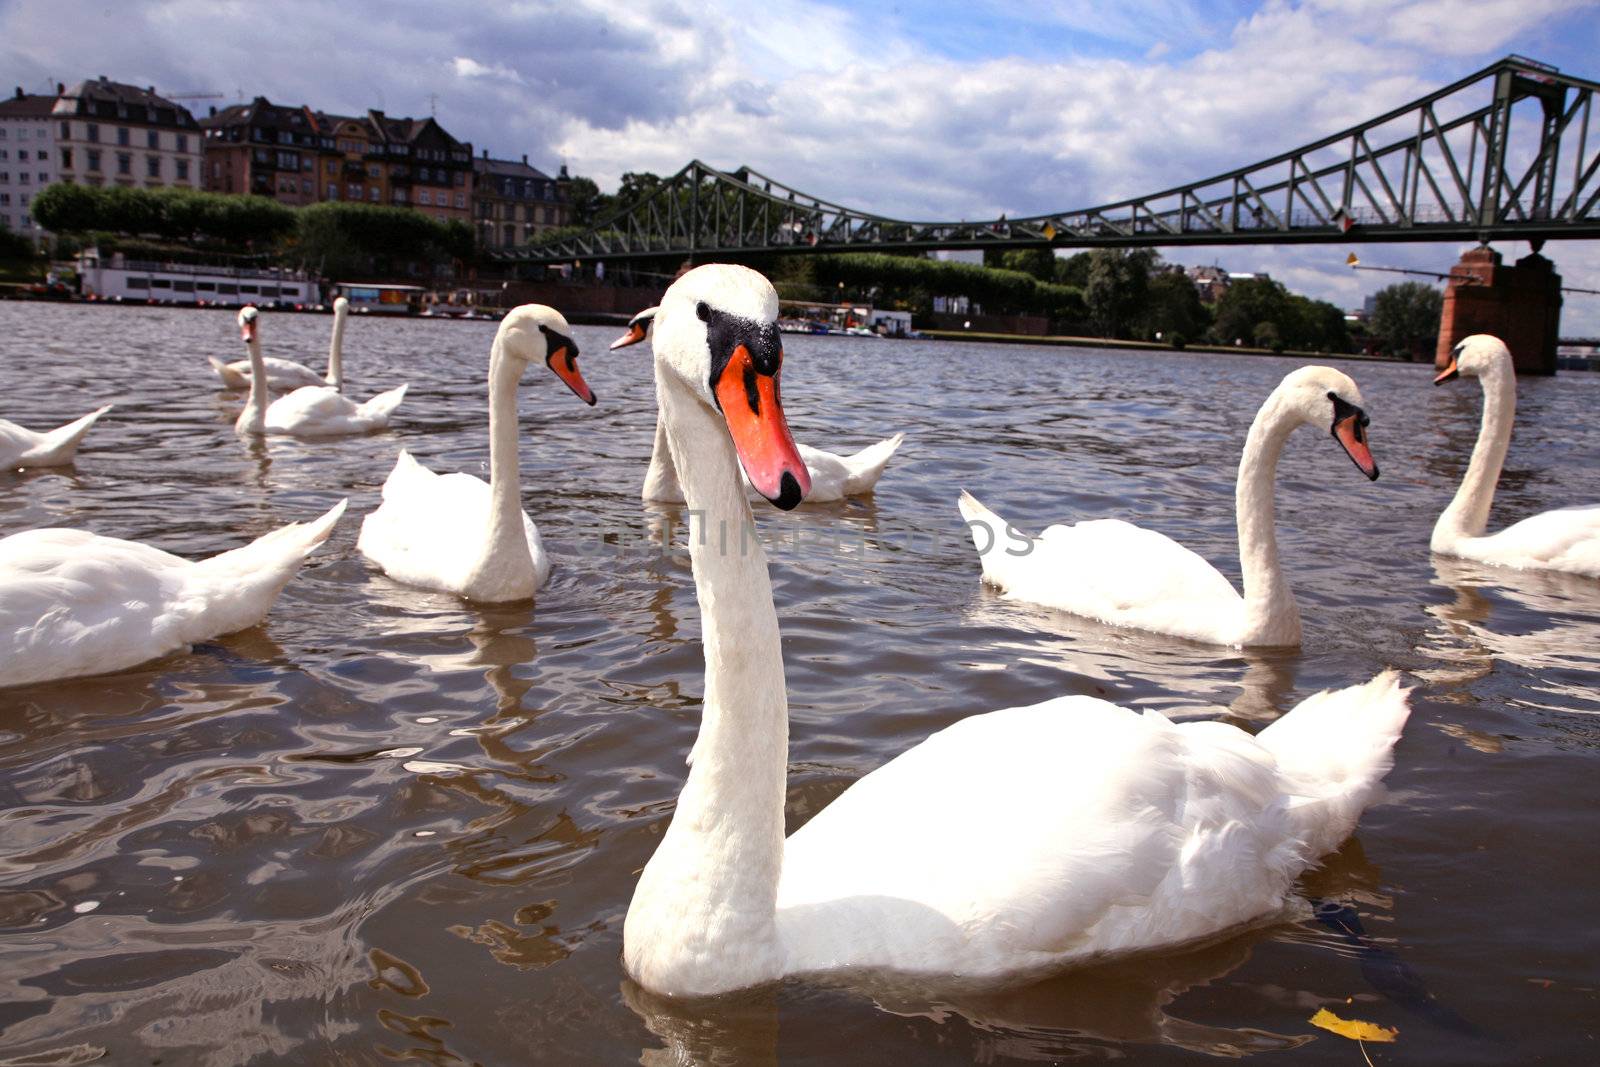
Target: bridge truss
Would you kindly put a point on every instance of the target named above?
(1504, 154)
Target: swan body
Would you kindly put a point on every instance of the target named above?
(457, 533)
(833, 477)
(284, 375)
(322, 411)
(1123, 575)
(1566, 539)
(22, 447)
(1009, 843)
(74, 603)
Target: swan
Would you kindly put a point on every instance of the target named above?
(1010, 843)
(453, 532)
(1567, 539)
(323, 410)
(1124, 575)
(74, 603)
(285, 374)
(833, 477)
(22, 447)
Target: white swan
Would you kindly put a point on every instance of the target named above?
(285, 374)
(1124, 575)
(74, 603)
(453, 532)
(1567, 539)
(1010, 843)
(22, 447)
(833, 477)
(323, 410)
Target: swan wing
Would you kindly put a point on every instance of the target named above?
(15, 442)
(834, 477)
(1567, 539)
(1108, 570)
(313, 410)
(1028, 836)
(283, 375)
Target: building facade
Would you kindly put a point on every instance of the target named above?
(108, 133)
(27, 158)
(299, 156)
(516, 202)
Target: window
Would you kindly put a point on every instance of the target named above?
(24, 177)
(122, 136)
(374, 171)
(3, 153)
(399, 196)
(44, 178)
(92, 132)
(333, 168)
(22, 198)
(333, 191)
(461, 177)
(152, 166)
(5, 176)
(161, 283)
(124, 163)
(305, 186)
(424, 197)
(372, 193)
(289, 290)
(66, 130)
(353, 191)
(227, 289)
(152, 139)
(94, 159)
(41, 155)
(216, 169)
(5, 199)
(183, 287)
(183, 142)
(206, 287)
(183, 170)
(461, 200)
(138, 283)
(248, 289)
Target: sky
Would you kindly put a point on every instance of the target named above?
(922, 109)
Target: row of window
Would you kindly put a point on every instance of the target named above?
(125, 138)
(5, 199)
(22, 154)
(152, 164)
(488, 210)
(39, 132)
(23, 177)
(183, 285)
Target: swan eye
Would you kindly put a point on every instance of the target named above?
(703, 310)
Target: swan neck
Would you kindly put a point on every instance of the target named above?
(505, 534)
(335, 376)
(253, 419)
(704, 915)
(661, 478)
(1271, 616)
(1468, 513)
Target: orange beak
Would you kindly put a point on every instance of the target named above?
(247, 331)
(563, 359)
(1351, 433)
(1450, 373)
(635, 334)
(750, 403)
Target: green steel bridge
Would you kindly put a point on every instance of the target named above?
(1504, 154)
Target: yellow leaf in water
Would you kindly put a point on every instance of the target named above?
(1354, 1029)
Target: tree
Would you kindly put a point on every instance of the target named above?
(1118, 281)
(1074, 270)
(1248, 303)
(589, 204)
(1405, 319)
(1172, 307)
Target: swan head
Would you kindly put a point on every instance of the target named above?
(536, 332)
(248, 322)
(1480, 356)
(1322, 396)
(341, 306)
(717, 334)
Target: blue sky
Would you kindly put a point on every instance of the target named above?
(917, 109)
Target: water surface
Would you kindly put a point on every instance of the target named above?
(387, 825)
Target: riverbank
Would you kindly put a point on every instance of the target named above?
(1065, 341)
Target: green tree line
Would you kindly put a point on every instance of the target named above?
(332, 238)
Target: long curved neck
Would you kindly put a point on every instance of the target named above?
(703, 917)
(661, 477)
(1270, 614)
(253, 419)
(1468, 513)
(506, 540)
(335, 376)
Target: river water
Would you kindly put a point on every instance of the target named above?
(388, 826)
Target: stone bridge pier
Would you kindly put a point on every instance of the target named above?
(1519, 304)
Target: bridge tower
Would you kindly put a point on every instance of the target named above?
(1519, 304)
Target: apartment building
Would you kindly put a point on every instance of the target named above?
(108, 133)
(27, 157)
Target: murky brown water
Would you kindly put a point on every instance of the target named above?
(388, 826)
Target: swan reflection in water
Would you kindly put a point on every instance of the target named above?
(1558, 614)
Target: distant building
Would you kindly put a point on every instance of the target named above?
(27, 158)
(958, 255)
(1209, 282)
(515, 202)
(108, 133)
(299, 156)
(264, 149)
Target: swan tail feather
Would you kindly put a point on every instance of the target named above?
(1333, 751)
(380, 407)
(992, 536)
(867, 465)
(61, 444)
(231, 378)
(287, 546)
